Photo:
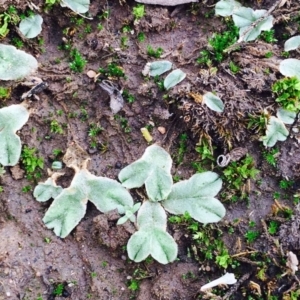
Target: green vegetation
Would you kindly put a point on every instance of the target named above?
(285, 184)
(124, 123)
(141, 37)
(31, 163)
(273, 227)
(4, 92)
(258, 122)
(236, 174)
(7, 18)
(17, 42)
(128, 97)
(77, 63)
(271, 156)
(112, 70)
(58, 290)
(234, 68)
(219, 42)
(156, 53)
(251, 235)
(182, 147)
(268, 36)
(288, 92)
(55, 127)
(138, 11)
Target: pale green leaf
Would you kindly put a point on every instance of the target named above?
(108, 194)
(65, 212)
(225, 8)
(159, 67)
(196, 196)
(290, 67)
(152, 238)
(292, 44)
(15, 64)
(78, 6)
(12, 118)
(46, 190)
(276, 131)
(31, 26)
(174, 78)
(286, 116)
(153, 169)
(213, 102)
(151, 214)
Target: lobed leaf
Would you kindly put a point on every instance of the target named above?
(213, 102)
(108, 194)
(15, 64)
(276, 131)
(286, 116)
(31, 26)
(174, 78)
(152, 238)
(12, 118)
(47, 190)
(153, 169)
(196, 196)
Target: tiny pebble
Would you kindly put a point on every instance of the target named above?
(38, 274)
(123, 257)
(8, 294)
(91, 74)
(161, 129)
(295, 129)
(118, 165)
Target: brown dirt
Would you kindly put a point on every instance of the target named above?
(92, 263)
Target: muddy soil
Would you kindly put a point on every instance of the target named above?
(92, 262)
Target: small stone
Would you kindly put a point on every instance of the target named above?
(38, 274)
(91, 74)
(161, 129)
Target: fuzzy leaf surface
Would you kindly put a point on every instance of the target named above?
(225, 8)
(69, 207)
(213, 102)
(243, 17)
(14, 63)
(153, 169)
(174, 78)
(276, 131)
(152, 238)
(78, 6)
(286, 116)
(196, 196)
(290, 67)
(292, 44)
(46, 190)
(31, 26)
(159, 67)
(12, 118)
(108, 194)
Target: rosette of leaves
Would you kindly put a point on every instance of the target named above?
(12, 119)
(195, 196)
(69, 205)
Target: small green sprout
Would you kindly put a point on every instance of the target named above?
(138, 11)
(285, 184)
(55, 127)
(78, 62)
(93, 274)
(251, 235)
(47, 240)
(141, 37)
(273, 227)
(271, 156)
(17, 42)
(268, 36)
(112, 70)
(154, 53)
(31, 163)
(58, 289)
(182, 147)
(128, 97)
(4, 92)
(234, 68)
